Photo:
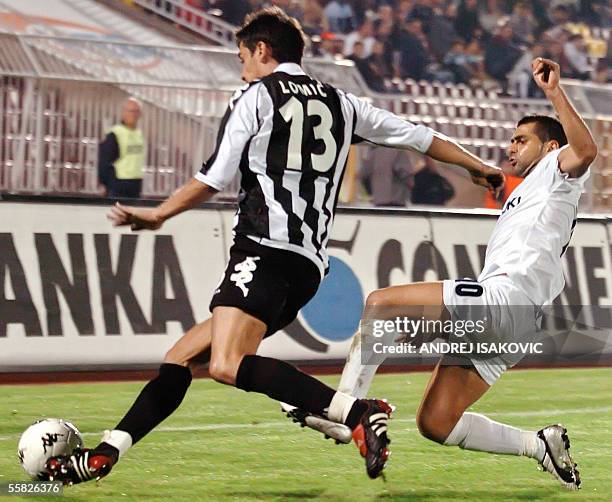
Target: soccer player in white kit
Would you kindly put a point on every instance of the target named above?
(522, 273)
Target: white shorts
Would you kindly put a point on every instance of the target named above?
(505, 312)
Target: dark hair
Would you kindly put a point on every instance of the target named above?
(282, 33)
(547, 128)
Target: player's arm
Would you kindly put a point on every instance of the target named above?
(582, 149)
(238, 126)
(446, 150)
(191, 194)
(384, 128)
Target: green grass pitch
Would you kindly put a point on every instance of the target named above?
(225, 444)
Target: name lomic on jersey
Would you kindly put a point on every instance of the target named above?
(529, 335)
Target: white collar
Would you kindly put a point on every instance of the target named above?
(290, 68)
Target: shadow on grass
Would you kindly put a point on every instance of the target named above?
(473, 495)
(416, 495)
(408, 495)
(277, 494)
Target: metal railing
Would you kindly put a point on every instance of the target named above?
(196, 20)
(59, 96)
(50, 132)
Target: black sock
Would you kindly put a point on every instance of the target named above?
(283, 382)
(357, 410)
(159, 398)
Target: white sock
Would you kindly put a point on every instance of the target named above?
(533, 446)
(340, 407)
(476, 432)
(119, 439)
(358, 374)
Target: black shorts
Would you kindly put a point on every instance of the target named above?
(268, 283)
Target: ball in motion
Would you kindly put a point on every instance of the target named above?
(45, 439)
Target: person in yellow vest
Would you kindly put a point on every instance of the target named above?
(122, 154)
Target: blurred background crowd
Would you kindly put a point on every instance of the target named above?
(461, 67)
(481, 43)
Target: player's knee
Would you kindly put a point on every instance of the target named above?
(376, 298)
(428, 427)
(435, 427)
(223, 370)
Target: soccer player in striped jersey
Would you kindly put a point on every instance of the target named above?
(289, 136)
(522, 273)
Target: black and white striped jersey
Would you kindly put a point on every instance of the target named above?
(290, 137)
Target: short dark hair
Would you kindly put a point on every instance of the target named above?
(546, 128)
(282, 33)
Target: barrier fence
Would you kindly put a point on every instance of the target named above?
(76, 293)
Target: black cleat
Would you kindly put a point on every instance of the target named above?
(82, 465)
(370, 436)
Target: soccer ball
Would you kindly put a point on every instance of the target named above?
(45, 439)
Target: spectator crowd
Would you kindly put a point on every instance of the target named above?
(485, 43)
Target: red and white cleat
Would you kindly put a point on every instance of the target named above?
(370, 436)
(82, 465)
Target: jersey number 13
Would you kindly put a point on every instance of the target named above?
(293, 113)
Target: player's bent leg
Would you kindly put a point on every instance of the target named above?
(235, 339)
(442, 418)
(158, 399)
(423, 299)
(414, 301)
(450, 391)
(235, 334)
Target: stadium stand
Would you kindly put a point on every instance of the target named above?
(51, 123)
(481, 43)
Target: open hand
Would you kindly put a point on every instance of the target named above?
(138, 219)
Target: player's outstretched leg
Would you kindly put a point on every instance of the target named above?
(236, 337)
(356, 379)
(157, 401)
(418, 300)
(442, 418)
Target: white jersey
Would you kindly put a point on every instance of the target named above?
(534, 229)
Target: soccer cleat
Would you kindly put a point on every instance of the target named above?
(331, 430)
(82, 465)
(370, 436)
(557, 459)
